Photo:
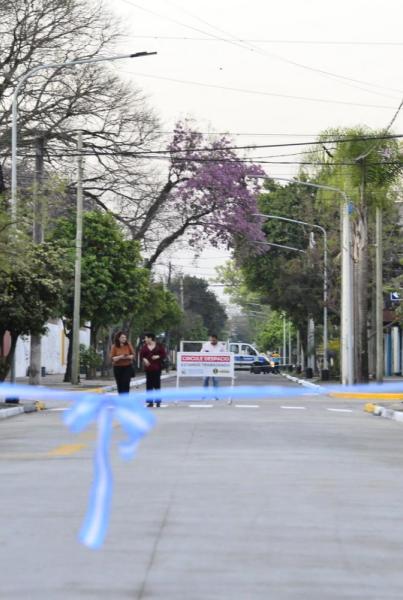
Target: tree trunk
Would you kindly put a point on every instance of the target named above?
(92, 370)
(311, 356)
(106, 366)
(67, 375)
(35, 360)
(6, 360)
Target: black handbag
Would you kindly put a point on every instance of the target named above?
(132, 370)
(165, 363)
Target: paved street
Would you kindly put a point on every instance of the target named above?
(275, 499)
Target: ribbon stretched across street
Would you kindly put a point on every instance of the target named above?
(136, 420)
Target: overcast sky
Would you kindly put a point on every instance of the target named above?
(267, 72)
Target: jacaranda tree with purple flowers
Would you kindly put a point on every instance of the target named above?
(210, 194)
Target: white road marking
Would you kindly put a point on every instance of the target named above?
(294, 407)
(246, 406)
(200, 405)
(56, 409)
(340, 410)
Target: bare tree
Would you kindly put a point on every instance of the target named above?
(205, 194)
(56, 103)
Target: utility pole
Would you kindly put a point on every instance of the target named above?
(379, 297)
(310, 349)
(310, 371)
(75, 340)
(289, 344)
(169, 275)
(182, 294)
(361, 272)
(299, 361)
(347, 300)
(35, 359)
(284, 340)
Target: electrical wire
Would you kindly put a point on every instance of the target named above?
(269, 41)
(257, 92)
(170, 152)
(249, 47)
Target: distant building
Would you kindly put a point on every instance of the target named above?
(54, 350)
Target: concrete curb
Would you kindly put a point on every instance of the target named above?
(5, 413)
(348, 395)
(382, 411)
(305, 383)
(375, 409)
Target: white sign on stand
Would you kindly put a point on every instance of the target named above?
(205, 364)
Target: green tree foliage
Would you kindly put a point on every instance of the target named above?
(363, 154)
(31, 292)
(270, 335)
(114, 285)
(6, 250)
(160, 314)
(254, 307)
(192, 327)
(366, 170)
(235, 285)
(288, 280)
(198, 300)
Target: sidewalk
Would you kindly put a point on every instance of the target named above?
(316, 382)
(389, 409)
(99, 385)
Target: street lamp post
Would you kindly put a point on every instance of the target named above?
(325, 371)
(14, 143)
(347, 331)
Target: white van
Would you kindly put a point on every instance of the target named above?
(246, 355)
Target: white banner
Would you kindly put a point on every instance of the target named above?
(205, 364)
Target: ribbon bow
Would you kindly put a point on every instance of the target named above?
(136, 421)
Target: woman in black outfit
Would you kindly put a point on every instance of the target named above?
(152, 354)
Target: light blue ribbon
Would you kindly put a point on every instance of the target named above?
(136, 421)
(29, 392)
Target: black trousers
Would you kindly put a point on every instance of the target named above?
(153, 382)
(122, 378)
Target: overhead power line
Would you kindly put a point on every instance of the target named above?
(222, 161)
(338, 140)
(259, 93)
(247, 46)
(269, 41)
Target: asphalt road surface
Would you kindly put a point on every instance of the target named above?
(273, 499)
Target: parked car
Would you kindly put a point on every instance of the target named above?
(247, 356)
(259, 367)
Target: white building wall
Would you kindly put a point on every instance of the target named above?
(54, 350)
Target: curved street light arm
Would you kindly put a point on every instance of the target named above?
(280, 246)
(33, 71)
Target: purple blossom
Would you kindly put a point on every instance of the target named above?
(215, 184)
